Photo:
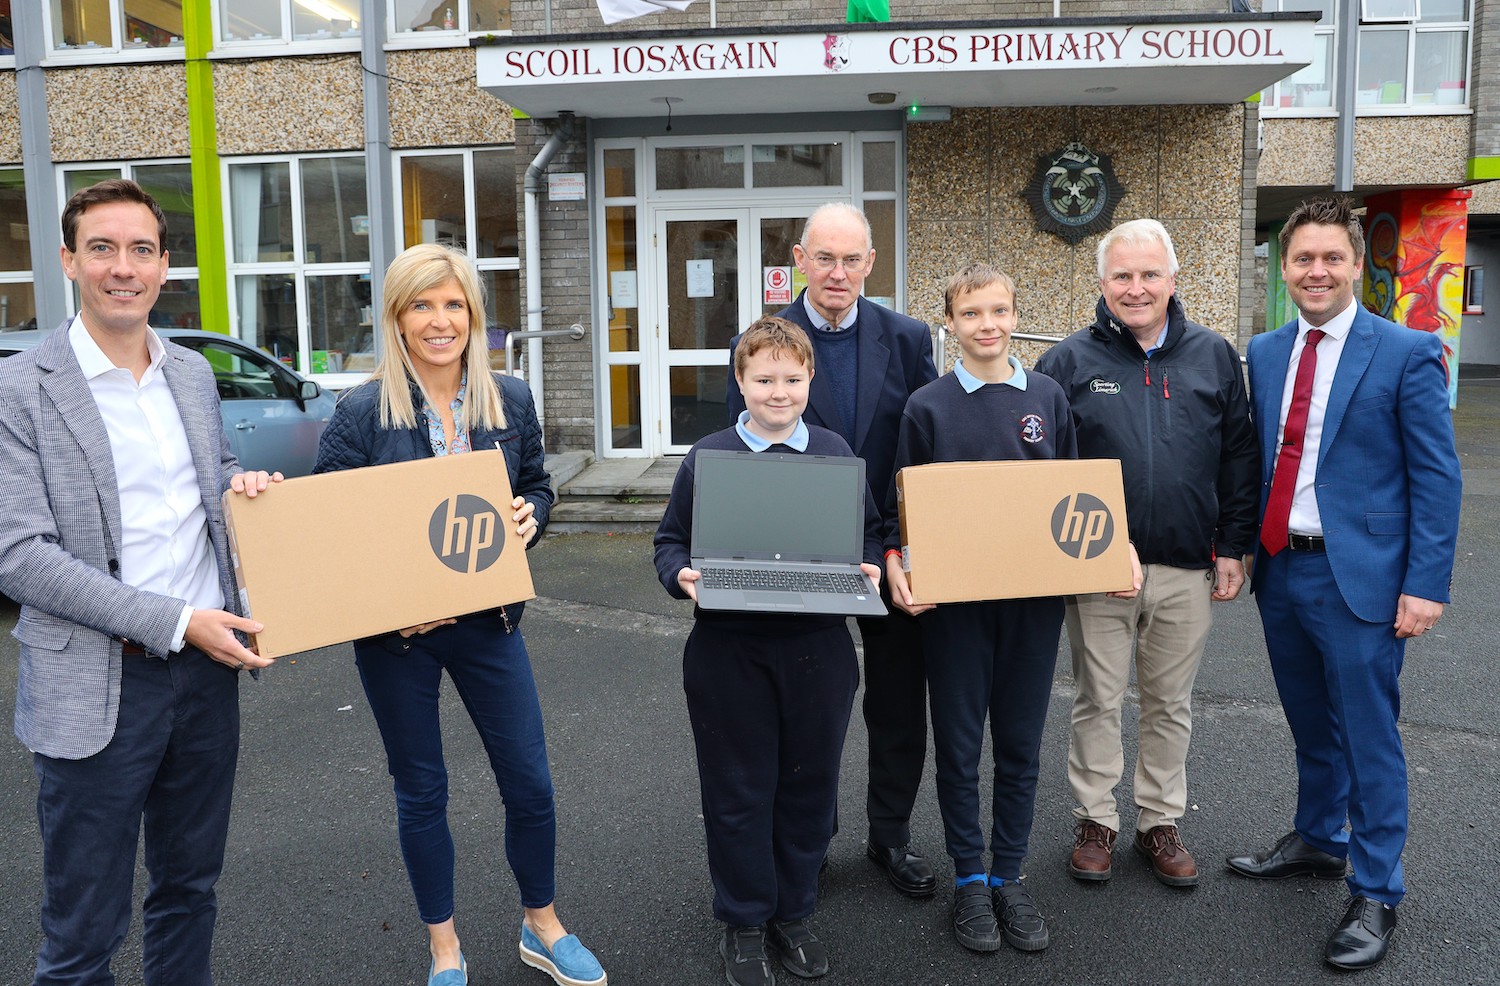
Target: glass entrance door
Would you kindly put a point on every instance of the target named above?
(702, 302)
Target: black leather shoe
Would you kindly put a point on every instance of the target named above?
(1361, 939)
(907, 871)
(801, 952)
(1289, 857)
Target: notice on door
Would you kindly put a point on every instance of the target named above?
(700, 278)
(776, 285)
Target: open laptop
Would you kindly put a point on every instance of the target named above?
(781, 533)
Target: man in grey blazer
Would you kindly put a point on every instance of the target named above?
(112, 539)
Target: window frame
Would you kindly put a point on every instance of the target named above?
(287, 42)
(1412, 27)
(299, 268)
(399, 37)
(1473, 291)
(117, 51)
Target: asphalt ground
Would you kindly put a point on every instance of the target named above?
(314, 892)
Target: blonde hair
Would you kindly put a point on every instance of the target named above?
(418, 269)
(784, 339)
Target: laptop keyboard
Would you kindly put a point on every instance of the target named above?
(782, 580)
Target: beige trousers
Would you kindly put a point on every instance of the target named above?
(1166, 625)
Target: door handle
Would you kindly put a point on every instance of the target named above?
(244, 426)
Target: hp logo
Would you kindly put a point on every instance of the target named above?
(465, 533)
(1082, 526)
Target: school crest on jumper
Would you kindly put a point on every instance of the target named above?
(1074, 192)
(1032, 429)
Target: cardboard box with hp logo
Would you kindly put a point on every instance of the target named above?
(325, 559)
(1011, 530)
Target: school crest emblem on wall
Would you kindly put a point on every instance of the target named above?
(1074, 192)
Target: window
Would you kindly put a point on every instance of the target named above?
(17, 300)
(170, 183)
(1474, 290)
(1413, 55)
(486, 16)
(95, 26)
(467, 200)
(299, 263)
(272, 22)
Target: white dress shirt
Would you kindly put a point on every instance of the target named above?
(1304, 518)
(165, 545)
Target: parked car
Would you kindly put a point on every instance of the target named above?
(272, 415)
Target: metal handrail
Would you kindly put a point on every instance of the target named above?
(575, 331)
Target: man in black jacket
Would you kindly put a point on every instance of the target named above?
(1166, 397)
(870, 360)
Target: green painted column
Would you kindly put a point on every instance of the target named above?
(208, 196)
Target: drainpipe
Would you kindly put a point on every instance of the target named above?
(534, 174)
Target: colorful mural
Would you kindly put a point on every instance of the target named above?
(1414, 264)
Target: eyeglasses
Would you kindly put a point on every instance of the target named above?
(853, 265)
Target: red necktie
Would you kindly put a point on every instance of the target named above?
(1284, 479)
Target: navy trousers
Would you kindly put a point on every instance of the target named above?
(1338, 678)
(895, 711)
(492, 672)
(769, 714)
(170, 767)
(990, 659)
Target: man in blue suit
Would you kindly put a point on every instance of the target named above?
(1359, 507)
(869, 359)
(112, 538)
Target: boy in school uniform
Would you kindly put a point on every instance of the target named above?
(992, 658)
(769, 694)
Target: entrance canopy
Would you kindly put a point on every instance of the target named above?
(1144, 60)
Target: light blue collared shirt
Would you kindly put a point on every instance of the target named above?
(821, 323)
(972, 383)
(798, 439)
(1159, 339)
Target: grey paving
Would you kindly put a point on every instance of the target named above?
(314, 891)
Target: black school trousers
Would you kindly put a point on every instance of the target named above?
(769, 714)
(992, 660)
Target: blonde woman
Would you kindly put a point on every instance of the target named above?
(432, 393)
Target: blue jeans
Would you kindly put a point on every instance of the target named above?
(170, 764)
(492, 673)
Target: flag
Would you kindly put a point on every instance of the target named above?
(869, 11)
(615, 11)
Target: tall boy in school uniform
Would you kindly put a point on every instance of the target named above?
(993, 658)
(769, 694)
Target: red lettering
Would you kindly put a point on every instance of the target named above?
(517, 66)
(1252, 48)
(1151, 44)
(980, 43)
(1006, 41)
(1041, 52)
(654, 57)
(1197, 44)
(905, 45)
(767, 53)
(946, 46)
(1229, 46)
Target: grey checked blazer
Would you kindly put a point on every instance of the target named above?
(59, 536)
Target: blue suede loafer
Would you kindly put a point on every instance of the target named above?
(567, 961)
(449, 977)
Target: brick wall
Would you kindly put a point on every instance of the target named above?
(567, 291)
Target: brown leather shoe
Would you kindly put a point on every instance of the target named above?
(1093, 848)
(1162, 847)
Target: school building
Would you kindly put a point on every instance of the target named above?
(645, 180)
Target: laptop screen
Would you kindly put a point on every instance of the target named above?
(764, 505)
